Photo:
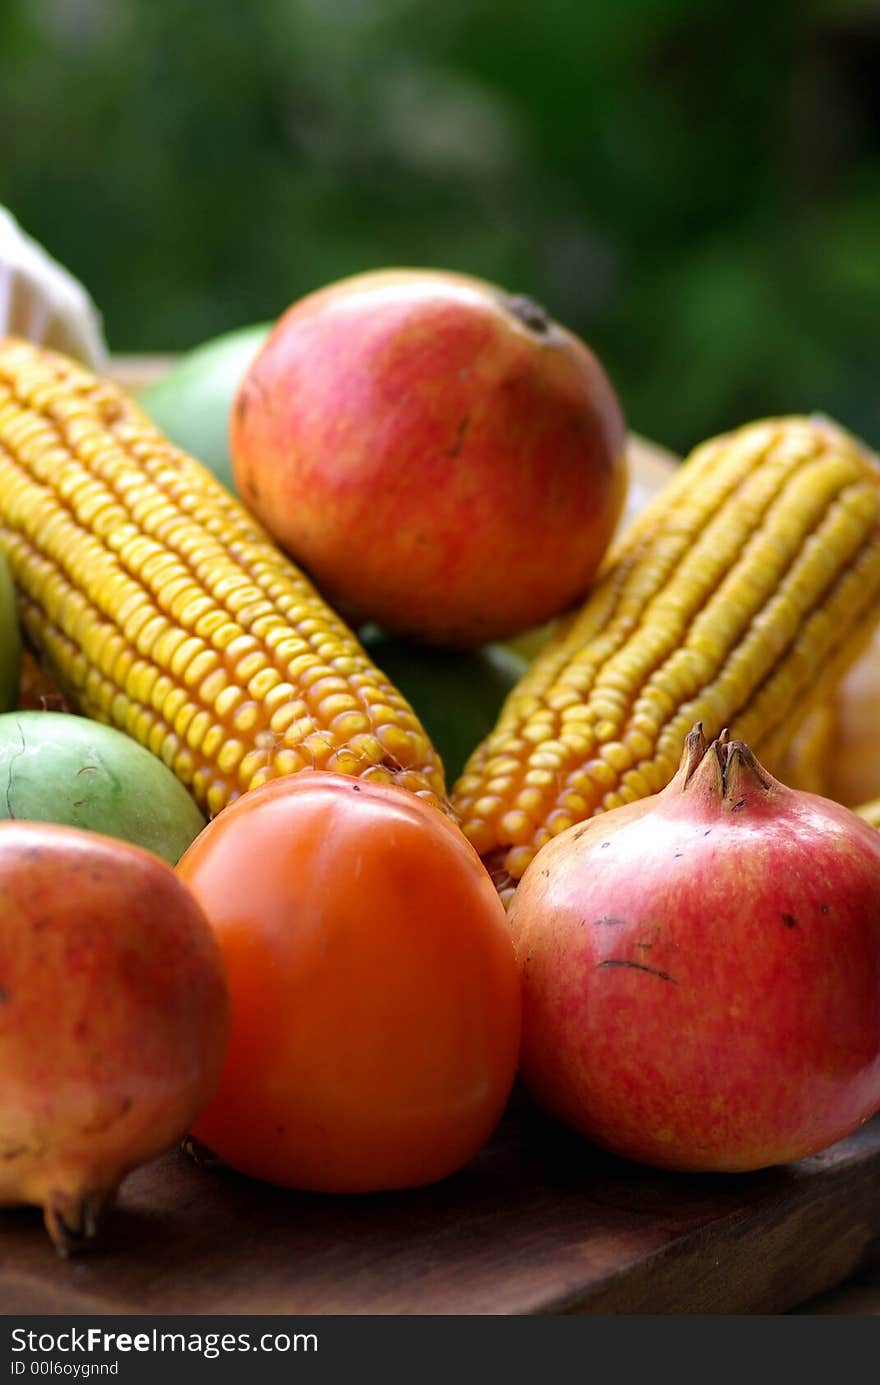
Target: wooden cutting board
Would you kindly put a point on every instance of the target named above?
(539, 1223)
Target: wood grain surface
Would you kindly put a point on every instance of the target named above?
(539, 1223)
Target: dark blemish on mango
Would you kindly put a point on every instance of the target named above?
(789, 920)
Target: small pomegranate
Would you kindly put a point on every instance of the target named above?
(441, 456)
(113, 1019)
(701, 970)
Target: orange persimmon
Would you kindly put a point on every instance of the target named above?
(375, 993)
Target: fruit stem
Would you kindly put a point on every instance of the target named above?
(74, 1220)
(529, 313)
(201, 1155)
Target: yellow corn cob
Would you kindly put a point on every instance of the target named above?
(804, 764)
(164, 609)
(737, 598)
(870, 812)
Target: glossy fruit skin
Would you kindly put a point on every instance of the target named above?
(375, 994)
(113, 1018)
(192, 402)
(701, 975)
(439, 455)
(58, 767)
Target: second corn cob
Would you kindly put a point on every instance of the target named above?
(737, 599)
(870, 812)
(163, 608)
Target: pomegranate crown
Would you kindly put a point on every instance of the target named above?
(731, 758)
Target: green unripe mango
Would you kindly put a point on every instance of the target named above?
(192, 402)
(58, 767)
(10, 640)
(457, 694)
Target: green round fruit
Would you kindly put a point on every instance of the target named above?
(191, 403)
(457, 694)
(57, 767)
(10, 640)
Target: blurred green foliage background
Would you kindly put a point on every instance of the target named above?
(692, 186)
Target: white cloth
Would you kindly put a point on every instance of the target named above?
(41, 300)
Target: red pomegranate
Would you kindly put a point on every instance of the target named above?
(701, 970)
